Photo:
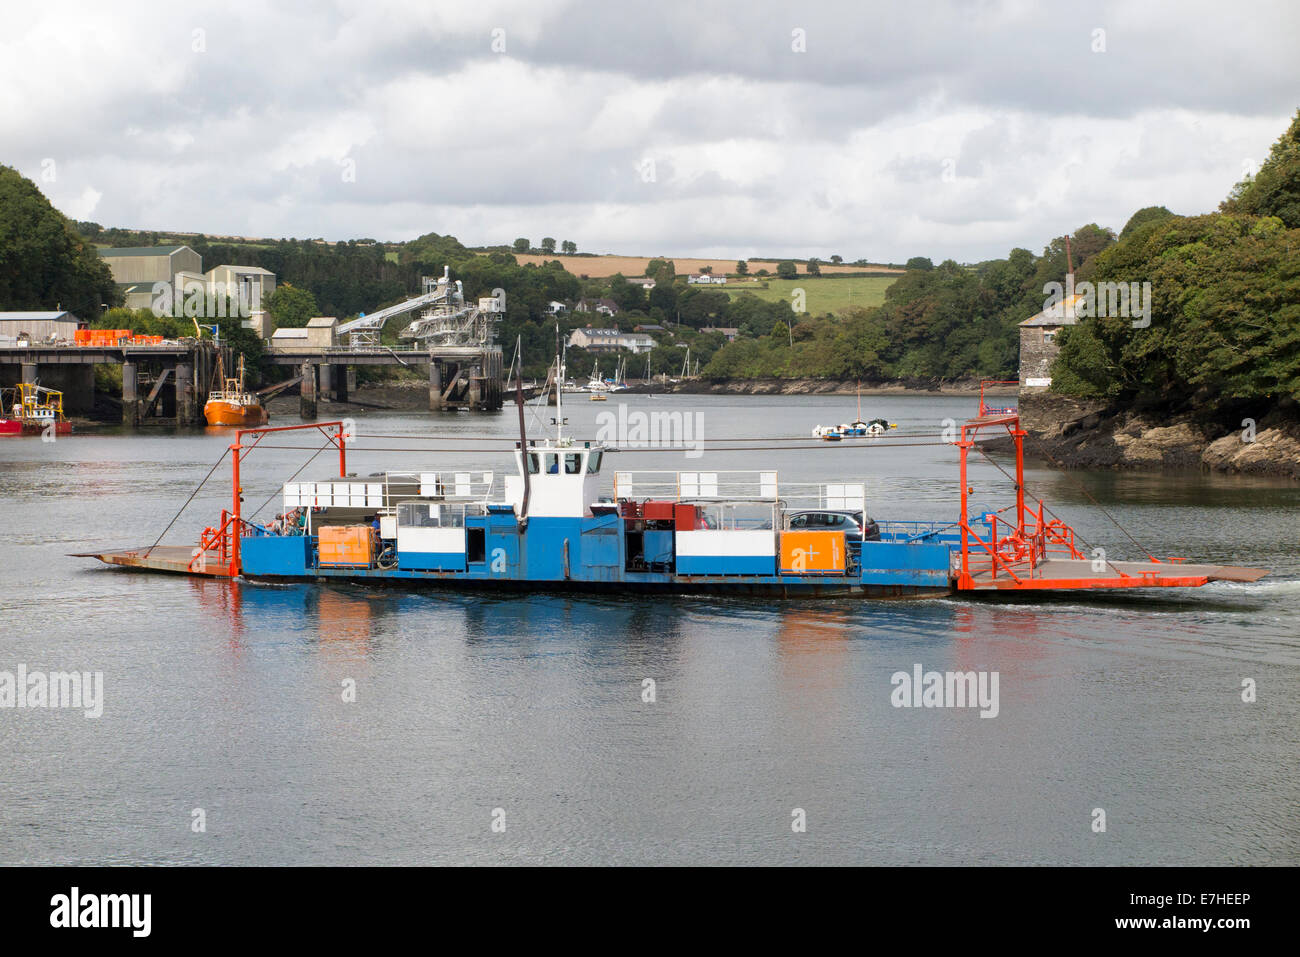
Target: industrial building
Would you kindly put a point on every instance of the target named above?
(37, 326)
(137, 268)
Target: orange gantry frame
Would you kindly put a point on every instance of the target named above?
(232, 524)
(1031, 552)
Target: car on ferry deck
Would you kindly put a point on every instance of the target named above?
(855, 525)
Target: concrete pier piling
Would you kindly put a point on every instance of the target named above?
(435, 386)
(307, 395)
(188, 411)
(130, 396)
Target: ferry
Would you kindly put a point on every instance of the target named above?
(30, 409)
(558, 519)
(233, 404)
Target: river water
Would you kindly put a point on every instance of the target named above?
(227, 698)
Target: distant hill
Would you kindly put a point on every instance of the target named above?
(602, 267)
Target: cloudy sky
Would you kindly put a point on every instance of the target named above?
(957, 129)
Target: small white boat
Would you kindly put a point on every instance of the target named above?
(855, 429)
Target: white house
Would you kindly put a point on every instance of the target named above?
(606, 307)
(610, 340)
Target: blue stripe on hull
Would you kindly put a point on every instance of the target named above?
(431, 561)
(726, 564)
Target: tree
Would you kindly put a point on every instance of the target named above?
(569, 247)
(786, 269)
(548, 245)
(1275, 189)
(522, 245)
(837, 259)
(291, 307)
(1148, 214)
(1224, 317)
(653, 267)
(665, 274)
(706, 270)
(629, 296)
(814, 268)
(44, 262)
(742, 267)
(919, 262)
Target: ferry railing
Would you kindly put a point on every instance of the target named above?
(445, 485)
(912, 531)
(832, 496)
(217, 539)
(221, 540)
(1012, 548)
(697, 486)
(733, 516)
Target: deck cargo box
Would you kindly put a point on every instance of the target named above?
(658, 511)
(345, 546)
(812, 553)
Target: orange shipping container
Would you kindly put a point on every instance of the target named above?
(345, 546)
(812, 553)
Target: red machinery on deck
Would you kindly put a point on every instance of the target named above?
(1032, 552)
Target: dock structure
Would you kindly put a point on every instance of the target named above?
(460, 377)
(162, 384)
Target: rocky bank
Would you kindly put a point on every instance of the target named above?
(1088, 435)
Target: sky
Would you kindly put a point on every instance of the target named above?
(878, 131)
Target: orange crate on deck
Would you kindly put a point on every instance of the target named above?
(812, 553)
(345, 546)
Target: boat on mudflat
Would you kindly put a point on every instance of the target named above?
(557, 519)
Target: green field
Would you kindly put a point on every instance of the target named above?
(824, 294)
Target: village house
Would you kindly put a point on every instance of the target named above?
(609, 340)
(606, 307)
(1039, 344)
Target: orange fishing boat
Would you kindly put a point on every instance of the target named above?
(232, 404)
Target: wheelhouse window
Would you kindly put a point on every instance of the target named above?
(533, 465)
(593, 461)
(572, 463)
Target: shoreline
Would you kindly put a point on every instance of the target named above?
(962, 388)
(1072, 433)
(1077, 434)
